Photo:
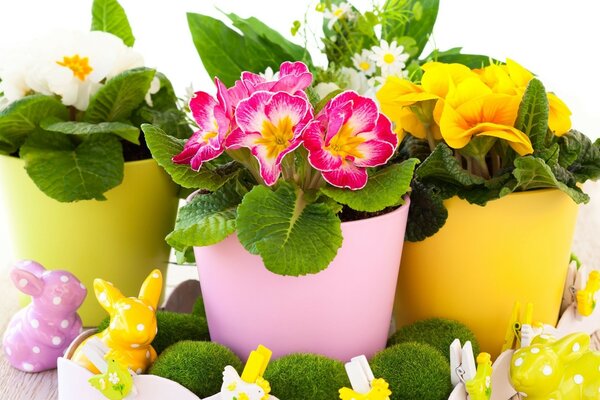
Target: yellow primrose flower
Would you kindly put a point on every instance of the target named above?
(512, 79)
(472, 109)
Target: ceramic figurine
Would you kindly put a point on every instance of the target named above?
(132, 324)
(364, 384)
(116, 383)
(564, 369)
(251, 385)
(480, 387)
(41, 332)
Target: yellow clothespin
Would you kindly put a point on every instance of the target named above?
(480, 387)
(256, 364)
(586, 302)
(512, 339)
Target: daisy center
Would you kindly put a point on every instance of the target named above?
(344, 144)
(364, 65)
(276, 138)
(338, 13)
(79, 65)
(389, 58)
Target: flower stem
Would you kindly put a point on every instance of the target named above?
(430, 137)
(244, 157)
(483, 167)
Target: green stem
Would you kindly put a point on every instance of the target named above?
(483, 167)
(244, 157)
(430, 137)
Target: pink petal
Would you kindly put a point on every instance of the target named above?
(205, 153)
(338, 116)
(383, 131)
(284, 105)
(297, 141)
(375, 152)
(238, 139)
(237, 93)
(202, 106)
(364, 110)
(223, 95)
(186, 155)
(318, 157)
(293, 83)
(347, 176)
(269, 167)
(250, 113)
(292, 68)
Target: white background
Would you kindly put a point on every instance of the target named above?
(558, 40)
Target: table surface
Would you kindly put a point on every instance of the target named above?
(16, 385)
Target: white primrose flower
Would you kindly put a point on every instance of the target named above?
(324, 88)
(269, 75)
(390, 58)
(154, 88)
(72, 65)
(357, 81)
(364, 62)
(338, 12)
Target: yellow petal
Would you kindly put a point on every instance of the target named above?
(497, 79)
(519, 75)
(454, 128)
(466, 91)
(439, 77)
(515, 138)
(559, 119)
(412, 124)
(397, 92)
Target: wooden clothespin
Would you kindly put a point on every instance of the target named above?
(480, 386)
(256, 364)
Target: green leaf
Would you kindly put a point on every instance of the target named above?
(207, 219)
(23, 117)
(442, 166)
(165, 112)
(427, 213)
(120, 96)
(418, 28)
(533, 173)
(385, 188)
(163, 147)
(256, 30)
(581, 156)
(532, 118)
(67, 171)
(226, 54)
(490, 190)
(125, 131)
(292, 237)
(109, 16)
(454, 56)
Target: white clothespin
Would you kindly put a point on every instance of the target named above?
(572, 320)
(95, 350)
(462, 362)
(360, 374)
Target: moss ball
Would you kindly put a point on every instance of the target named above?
(437, 332)
(306, 376)
(173, 328)
(199, 308)
(197, 366)
(414, 371)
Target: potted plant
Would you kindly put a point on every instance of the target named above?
(80, 190)
(296, 222)
(494, 200)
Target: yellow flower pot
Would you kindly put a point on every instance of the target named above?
(120, 239)
(484, 259)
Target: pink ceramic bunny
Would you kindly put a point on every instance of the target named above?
(41, 332)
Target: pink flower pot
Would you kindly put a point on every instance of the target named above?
(341, 312)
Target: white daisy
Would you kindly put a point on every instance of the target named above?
(269, 75)
(364, 62)
(390, 58)
(338, 12)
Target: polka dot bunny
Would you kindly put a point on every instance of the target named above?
(561, 370)
(132, 324)
(41, 332)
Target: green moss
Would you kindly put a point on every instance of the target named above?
(306, 376)
(199, 308)
(197, 366)
(437, 332)
(173, 328)
(414, 371)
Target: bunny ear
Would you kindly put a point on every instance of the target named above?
(151, 289)
(27, 282)
(572, 346)
(107, 294)
(31, 266)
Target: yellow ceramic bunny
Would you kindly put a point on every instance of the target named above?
(132, 324)
(563, 370)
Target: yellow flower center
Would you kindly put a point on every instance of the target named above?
(79, 65)
(388, 58)
(207, 136)
(338, 12)
(343, 144)
(364, 65)
(276, 138)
